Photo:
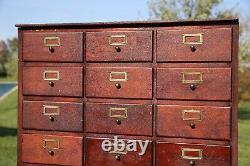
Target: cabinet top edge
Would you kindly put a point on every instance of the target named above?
(132, 24)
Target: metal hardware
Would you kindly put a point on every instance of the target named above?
(47, 144)
(118, 157)
(192, 125)
(51, 118)
(200, 41)
(192, 163)
(197, 118)
(118, 152)
(114, 43)
(51, 152)
(118, 49)
(118, 112)
(47, 113)
(192, 81)
(56, 44)
(118, 86)
(192, 48)
(192, 87)
(116, 73)
(46, 78)
(52, 84)
(184, 155)
(118, 122)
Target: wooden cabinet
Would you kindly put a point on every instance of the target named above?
(168, 86)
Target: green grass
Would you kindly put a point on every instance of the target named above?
(8, 110)
(244, 134)
(8, 79)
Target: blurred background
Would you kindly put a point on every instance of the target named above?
(56, 11)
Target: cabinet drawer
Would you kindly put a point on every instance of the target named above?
(193, 121)
(131, 119)
(194, 45)
(52, 149)
(194, 83)
(169, 154)
(53, 46)
(119, 82)
(119, 46)
(96, 156)
(53, 81)
(47, 115)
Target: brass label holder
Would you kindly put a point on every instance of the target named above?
(185, 80)
(115, 43)
(113, 112)
(185, 112)
(48, 141)
(46, 78)
(46, 113)
(184, 155)
(185, 36)
(52, 38)
(115, 73)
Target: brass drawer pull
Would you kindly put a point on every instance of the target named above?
(47, 77)
(198, 80)
(188, 115)
(48, 41)
(123, 75)
(118, 113)
(123, 40)
(199, 35)
(47, 110)
(51, 144)
(185, 155)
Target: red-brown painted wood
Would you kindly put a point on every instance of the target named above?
(51, 115)
(70, 81)
(95, 156)
(205, 122)
(67, 150)
(137, 85)
(119, 46)
(70, 47)
(215, 84)
(169, 154)
(132, 119)
(170, 46)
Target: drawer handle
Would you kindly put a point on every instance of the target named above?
(199, 35)
(185, 155)
(198, 80)
(123, 75)
(118, 113)
(51, 144)
(47, 77)
(51, 42)
(196, 115)
(47, 111)
(123, 40)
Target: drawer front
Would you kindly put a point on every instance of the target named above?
(193, 45)
(193, 121)
(194, 83)
(52, 149)
(53, 81)
(131, 119)
(47, 115)
(168, 154)
(119, 46)
(53, 46)
(119, 82)
(96, 156)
